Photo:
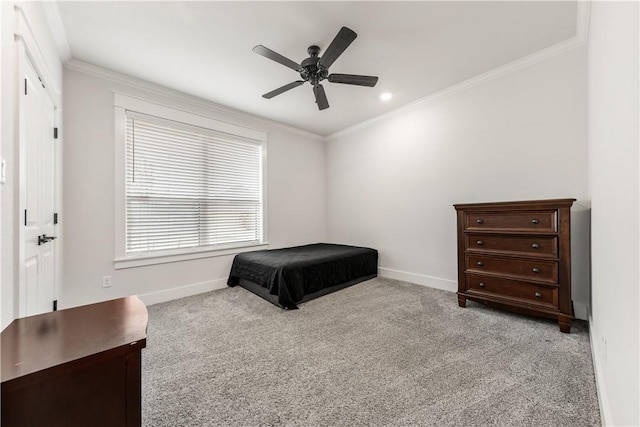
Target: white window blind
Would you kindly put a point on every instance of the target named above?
(189, 187)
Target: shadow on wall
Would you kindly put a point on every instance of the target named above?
(581, 259)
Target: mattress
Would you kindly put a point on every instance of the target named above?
(289, 276)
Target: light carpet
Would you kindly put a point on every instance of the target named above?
(380, 353)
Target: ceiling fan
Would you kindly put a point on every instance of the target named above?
(315, 69)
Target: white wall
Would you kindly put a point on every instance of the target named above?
(296, 193)
(9, 89)
(391, 184)
(614, 189)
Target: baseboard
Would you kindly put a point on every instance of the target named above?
(199, 288)
(182, 291)
(605, 410)
(419, 279)
(165, 295)
(580, 310)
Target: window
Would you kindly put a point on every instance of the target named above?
(190, 187)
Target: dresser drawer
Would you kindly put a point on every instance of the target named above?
(530, 269)
(512, 289)
(543, 246)
(538, 221)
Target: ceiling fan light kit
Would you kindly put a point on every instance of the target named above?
(315, 69)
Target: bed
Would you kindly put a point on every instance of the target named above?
(289, 276)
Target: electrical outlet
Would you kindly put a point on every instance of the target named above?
(106, 281)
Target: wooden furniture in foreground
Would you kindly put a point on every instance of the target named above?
(75, 367)
(517, 256)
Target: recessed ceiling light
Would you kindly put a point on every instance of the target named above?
(386, 96)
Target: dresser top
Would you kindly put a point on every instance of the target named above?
(525, 204)
(35, 343)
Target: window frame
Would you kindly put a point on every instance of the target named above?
(122, 259)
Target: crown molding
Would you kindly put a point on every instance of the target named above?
(54, 19)
(583, 18)
(579, 40)
(142, 85)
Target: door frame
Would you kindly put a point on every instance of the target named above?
(27, 50)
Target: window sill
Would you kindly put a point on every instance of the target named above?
(163, 258)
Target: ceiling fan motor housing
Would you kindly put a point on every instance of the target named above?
(313, 71)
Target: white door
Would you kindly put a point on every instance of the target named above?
(37, 280)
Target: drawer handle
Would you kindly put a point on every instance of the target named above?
(537, 295)
(479, 221)
(535, 270)
(535, 246)
(534, 221)
(481, 284)
(480, 263)
(479, 243)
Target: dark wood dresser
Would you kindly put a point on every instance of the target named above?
(75, 367)
(517, 256)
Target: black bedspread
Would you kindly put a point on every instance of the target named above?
(289, 276)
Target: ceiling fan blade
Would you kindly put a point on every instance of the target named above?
(342, 40)
(274, 56)
(353, 79)
(321, 97)
(282, 89)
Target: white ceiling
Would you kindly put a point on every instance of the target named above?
(416, 48)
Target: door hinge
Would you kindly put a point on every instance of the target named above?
(55, 305)
(55, 218)
(55, 133)
(25, 217)
(25, 86)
